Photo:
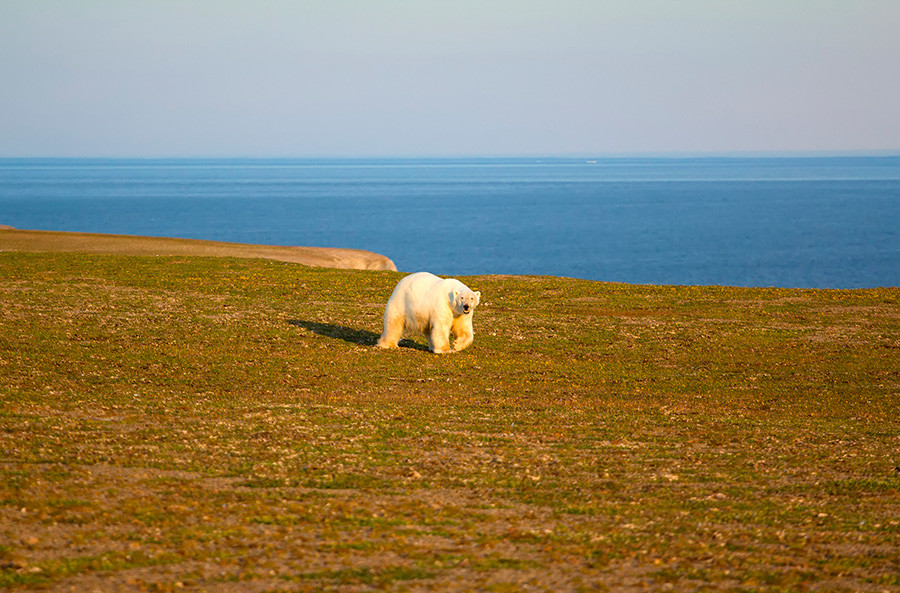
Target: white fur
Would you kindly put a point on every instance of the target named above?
(423, 303)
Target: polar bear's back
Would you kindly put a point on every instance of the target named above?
(418, 284)
(416, 296)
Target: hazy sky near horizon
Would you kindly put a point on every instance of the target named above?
(158, 78)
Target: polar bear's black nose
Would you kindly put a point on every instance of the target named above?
(466, 308)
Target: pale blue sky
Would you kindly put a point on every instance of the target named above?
(458, 77)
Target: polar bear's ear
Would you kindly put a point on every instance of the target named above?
(454, 296)
(477, 296)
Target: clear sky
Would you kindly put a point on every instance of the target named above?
(156, 78)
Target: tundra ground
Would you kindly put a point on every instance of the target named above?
(217, 424)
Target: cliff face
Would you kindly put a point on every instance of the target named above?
(330, 257)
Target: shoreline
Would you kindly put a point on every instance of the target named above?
(12, 239)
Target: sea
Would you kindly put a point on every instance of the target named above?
(797, 222)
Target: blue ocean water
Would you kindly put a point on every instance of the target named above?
(789, 222)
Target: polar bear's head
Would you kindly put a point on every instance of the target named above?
(464, 301)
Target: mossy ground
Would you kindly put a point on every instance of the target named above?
(228, 425)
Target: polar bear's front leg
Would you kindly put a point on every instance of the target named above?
(439, 340)
(462, 330)
(463, 340)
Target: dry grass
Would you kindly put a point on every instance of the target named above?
(220, 424)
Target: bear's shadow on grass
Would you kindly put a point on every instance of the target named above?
(348, 334)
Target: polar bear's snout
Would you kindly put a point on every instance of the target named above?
(466, 307)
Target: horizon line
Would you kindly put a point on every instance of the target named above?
(448, 157)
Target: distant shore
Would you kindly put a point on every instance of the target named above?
(12, 239)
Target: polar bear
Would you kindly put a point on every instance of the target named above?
(436, 307)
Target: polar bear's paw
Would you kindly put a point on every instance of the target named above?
(386, 344)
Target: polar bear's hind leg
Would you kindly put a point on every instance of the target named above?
(393, 331)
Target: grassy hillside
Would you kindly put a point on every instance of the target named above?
(42, 241)
(228, 425)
